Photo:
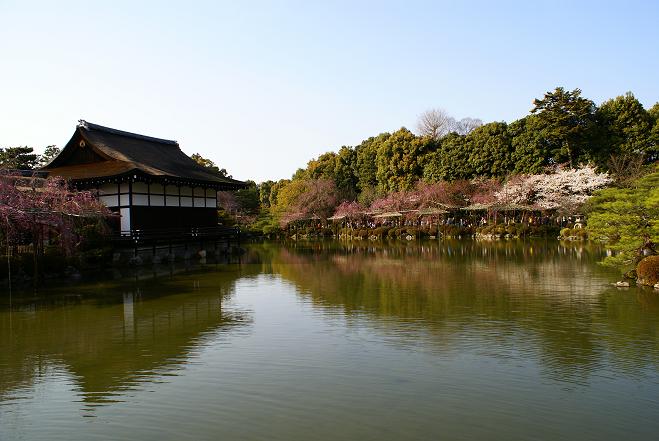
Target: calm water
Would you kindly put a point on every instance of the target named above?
(451, 340)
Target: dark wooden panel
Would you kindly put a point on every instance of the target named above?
(84, 155)
(172, 217)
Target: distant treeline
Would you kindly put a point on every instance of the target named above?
(562, 128)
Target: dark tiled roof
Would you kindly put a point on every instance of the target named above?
(125, 151)
(93, 170)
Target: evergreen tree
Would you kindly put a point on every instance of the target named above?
(399, 160)
(210, 165)
(449, 162)
(21, 158)
(365, 167)
(49, 154)
(626, 126)
(490, 150)
(653, 149)
(627, 219)
(567, 122)
(531, 151)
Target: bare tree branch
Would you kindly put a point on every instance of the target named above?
(435, 123)
(466, 125)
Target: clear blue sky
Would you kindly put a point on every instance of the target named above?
(262, 87)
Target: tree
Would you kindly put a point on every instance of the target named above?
(306, 199)
(626, 126)
(344, 173)
(275, 188)
(350, 209)
(490, 150)
(19, 158)
(567, 122)
(227, 201)
(625, 168)
(210, 165)
(339, 167)
(484, 191)
(450, 161)
(395, 201)
(435, 195)
(627, 220)
(248, 199)
(435, 123)
(653, 150)
(323, 167)
(264, 193)
(518, 190)
(49, 154)
(531, 151)
(568, 189)
(466, 125)
(563, 189)
(366, 162)
(399, 160)
(33, 206)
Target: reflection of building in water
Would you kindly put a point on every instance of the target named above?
(111, 342)
(129, 319)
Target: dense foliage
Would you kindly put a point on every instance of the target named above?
(209, 165)
(543, 151)
(22, 158)
(627, 219)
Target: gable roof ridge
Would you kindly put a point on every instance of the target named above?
(97, 127)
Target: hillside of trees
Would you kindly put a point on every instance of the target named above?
(563, 129)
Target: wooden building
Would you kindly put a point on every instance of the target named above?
(149, 181)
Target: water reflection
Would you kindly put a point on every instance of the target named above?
(542, 300)
(421, 340)
(111, 337)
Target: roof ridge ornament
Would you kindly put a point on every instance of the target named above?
(82, 123)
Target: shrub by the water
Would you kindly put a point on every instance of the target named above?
(453, 230)
(647, 271)
(574, 233)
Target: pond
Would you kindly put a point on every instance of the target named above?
(451, 340)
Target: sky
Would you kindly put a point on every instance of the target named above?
(262, 87)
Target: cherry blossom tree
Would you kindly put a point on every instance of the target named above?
(31, 206)
(227, 200)
(349, 209)
(308, 199)
(484, 191)
(518, 190)
(562, 189)
(396, 201)
(568, 189)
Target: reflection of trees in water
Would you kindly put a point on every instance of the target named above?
(538, 300)
(118, 335)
